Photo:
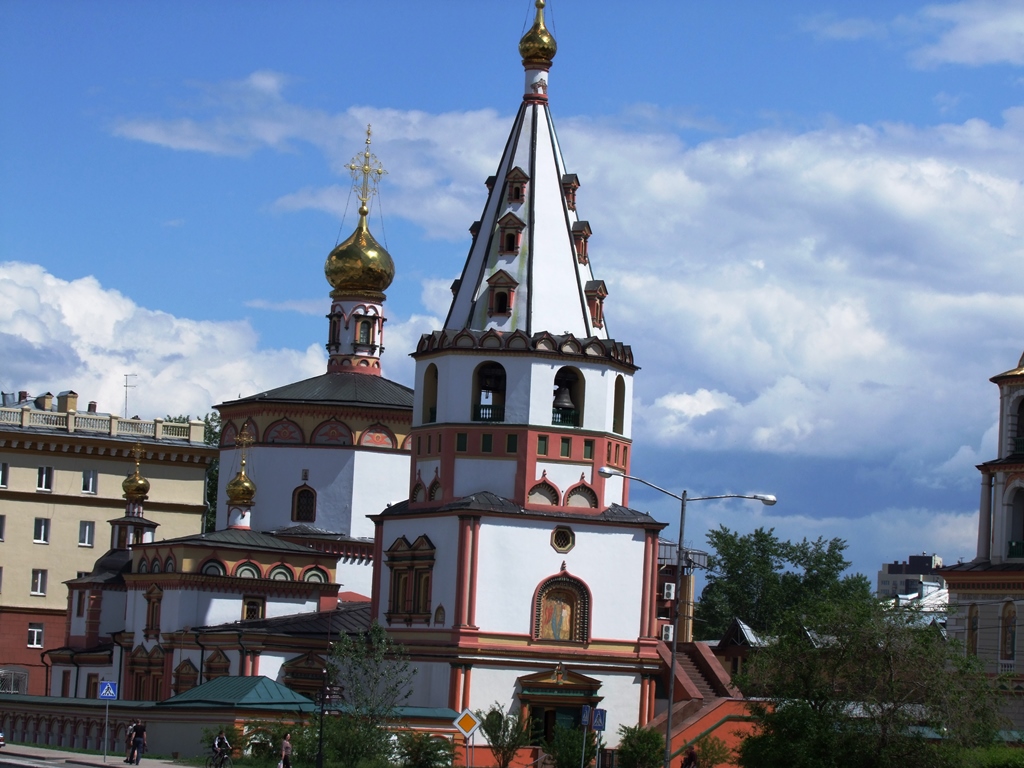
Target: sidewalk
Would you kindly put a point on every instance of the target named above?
(14, 752)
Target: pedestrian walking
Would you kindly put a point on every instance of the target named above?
(286, 751)
(129, 740)
(139, 742)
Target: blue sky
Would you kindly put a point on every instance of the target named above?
(808, 215)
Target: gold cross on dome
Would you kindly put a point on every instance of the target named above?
(138, 453)
(244, 439)
(366, 167)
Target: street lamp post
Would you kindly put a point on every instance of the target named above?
(682, 561)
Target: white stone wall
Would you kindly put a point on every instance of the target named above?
(515, 556)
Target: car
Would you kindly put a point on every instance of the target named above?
(2, 742)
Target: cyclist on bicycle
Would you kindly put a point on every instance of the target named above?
(221, 749)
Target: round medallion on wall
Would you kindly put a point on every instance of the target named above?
(563, 539)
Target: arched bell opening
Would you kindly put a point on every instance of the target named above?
(567, 403)
(489, 392)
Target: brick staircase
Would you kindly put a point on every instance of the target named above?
(692, 671)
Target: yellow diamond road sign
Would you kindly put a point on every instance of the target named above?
(467, 723)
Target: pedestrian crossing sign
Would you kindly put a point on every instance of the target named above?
(108, 690)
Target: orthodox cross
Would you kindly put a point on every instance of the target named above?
(365, 167)
(138, 453)
(243, 440)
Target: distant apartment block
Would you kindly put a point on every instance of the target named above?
(906, 578)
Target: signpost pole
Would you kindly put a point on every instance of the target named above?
(106, 730)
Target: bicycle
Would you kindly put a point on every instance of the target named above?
(219, 761)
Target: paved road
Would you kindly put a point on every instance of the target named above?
(29, 756)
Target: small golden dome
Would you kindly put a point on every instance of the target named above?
(360, 266)
(135, 486)
(241, 490)
(538, 47)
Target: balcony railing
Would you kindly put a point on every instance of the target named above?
(488, 413)
(1007, 666)
(104, 424)
(566, 417)
(1015, 549)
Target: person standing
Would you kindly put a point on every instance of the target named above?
(286, 751)
(129, 740)
(139, 742)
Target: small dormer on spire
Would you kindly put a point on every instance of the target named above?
(241, 491)
(538, 49)
(359, 270)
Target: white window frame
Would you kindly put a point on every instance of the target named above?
(35, 635)
(41, 531)
(90, 479)
(86, 533)
(38, 581)
(44, 479)
(5, 470)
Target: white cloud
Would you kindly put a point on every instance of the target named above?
(975, 32)
(826, 293)
(828, 27)
(61, 334)
(302, 306)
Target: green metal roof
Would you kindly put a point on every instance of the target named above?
(243, 693)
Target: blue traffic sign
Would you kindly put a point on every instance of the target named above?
(585, 716)
(598, 721)
(108, 690)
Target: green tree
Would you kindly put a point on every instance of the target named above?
(639, 747)
(763, 580)
(211, 436)
(369, 677)
(421, 750)
(506, 733)
(857, 683)
(566, 747)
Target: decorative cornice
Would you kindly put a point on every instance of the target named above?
(517, 342)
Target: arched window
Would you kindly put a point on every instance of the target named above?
(489, 393)
(581, 496)
(439, 616)
(429, 401)
(419, 493)
(213, 568)
(169, 565)
(619, 417)
(332, 432)
(143, 566)
(315, 576)
(365, 332)
(562, 610)
(282, 573)
(500, 303)
(156, 566)
(972, 630)
(154, 595)
(304, 505)
(1018, 440)
(1008, 627)
(1016, 544)
(567, 404)
(435, 491)
(543, 493)
(248, 571)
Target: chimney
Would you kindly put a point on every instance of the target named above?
(45, 402)
(92, 406)
(22, 396)
(67, 401)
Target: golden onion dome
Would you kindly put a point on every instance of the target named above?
(538, 47)
(360, 266)
(241, 490)
(135, 486)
